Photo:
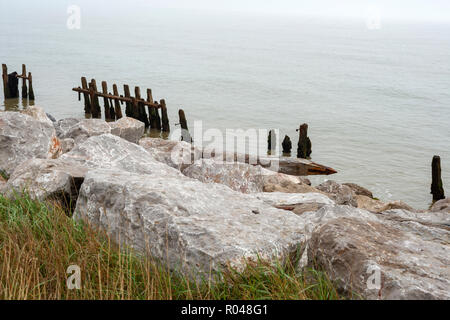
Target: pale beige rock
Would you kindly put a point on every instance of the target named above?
(358, 190)
(177, 154)
(37, 113)
(127, 128)
(441, 205)
(341, 194)
(412, 256)
(84, 129)
(67, 145)
(186, 224)
(396, 205)
(369, 204)
(22, 137)
(45, 179)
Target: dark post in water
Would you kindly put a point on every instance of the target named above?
(304, 143)
(437, 188)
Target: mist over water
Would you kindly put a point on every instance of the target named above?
(377, 101)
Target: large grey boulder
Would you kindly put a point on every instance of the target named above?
(22, 137)
(84, 129)
(62, 126)
(127, 128)
(112, 152)
(189, 225)
(47, 179)
(395, 255)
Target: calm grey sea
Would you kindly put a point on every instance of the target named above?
(377, 101)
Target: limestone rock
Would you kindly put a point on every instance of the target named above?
(22, 137)
(240, 177)
(369, 204)
(300, 209)
(442, 205)
(62, 126)
(288, 201)
(37, 113)
(411, 253)
(67, 145)
(358, 190)
(86, 128)
(127, 128)
(396, 205)
(187, 224)
(109, 151)
(177, 154)
(341, 194)
(46, 179)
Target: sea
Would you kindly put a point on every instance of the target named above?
(376, 98)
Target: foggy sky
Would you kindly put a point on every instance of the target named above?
(428, 10)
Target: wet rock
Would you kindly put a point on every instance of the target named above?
(341, 194)
(52, 118)
(86, 128)
(442, 205)
(109, 151)
(358, 190)
(22, 137)
(128, 128)
(187, 224)
(37, 113)
(412, 257)
(47, 179)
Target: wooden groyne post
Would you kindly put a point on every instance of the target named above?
(136, 107)
(185, 135)
(287, 145)
(437, 188)
(11, 83)
(271, 142)
(304, 143)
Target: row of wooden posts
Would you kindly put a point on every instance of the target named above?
(11, 83)
(135, 106)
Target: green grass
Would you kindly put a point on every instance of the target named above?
(38, 242)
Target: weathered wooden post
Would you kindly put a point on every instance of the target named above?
(271, 142)
(96, 112)
(30, 87)
(117, 103)
(437, 188)
(13, 84)
(304, 143)
(140, 113)
(165, 118)
(106, 101)
(128, 108)
(153, 115)
(185, 135)
(24, 82)
(158, 118)
(87, 103)
(5, 81)
(287, 145)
